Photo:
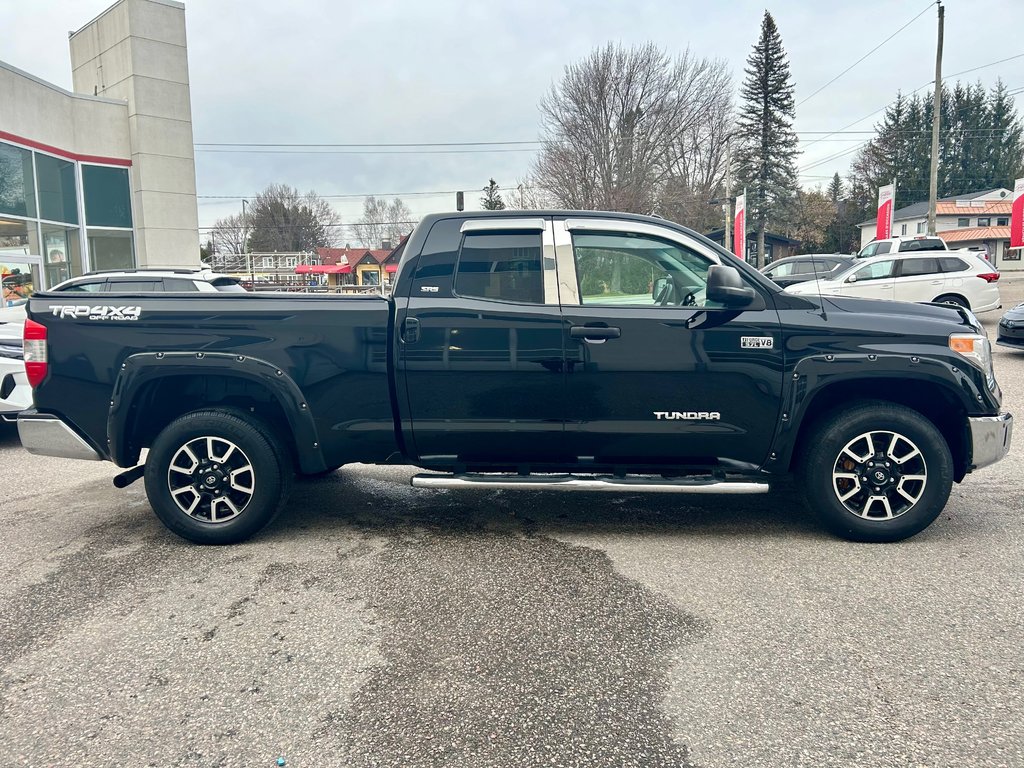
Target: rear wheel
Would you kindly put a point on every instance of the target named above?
(952, 298)
(876, 472)
(214, 477)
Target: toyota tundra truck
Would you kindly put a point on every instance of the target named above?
(550, 350)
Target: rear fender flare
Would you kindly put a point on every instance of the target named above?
(144, 367)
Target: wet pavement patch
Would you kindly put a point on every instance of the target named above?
(504, 649)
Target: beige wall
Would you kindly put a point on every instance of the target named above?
(136, 51)
(36, 110)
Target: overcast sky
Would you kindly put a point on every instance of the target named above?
(442, 71)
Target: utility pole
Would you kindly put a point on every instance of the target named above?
(245, 245)
(933, 181)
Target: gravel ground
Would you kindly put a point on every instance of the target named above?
(377, 625)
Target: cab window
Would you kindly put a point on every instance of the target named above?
(617, 269)
(501, 267)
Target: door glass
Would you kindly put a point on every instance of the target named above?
(876, 271)
(617, 269)
(915, 267)
(501, 266)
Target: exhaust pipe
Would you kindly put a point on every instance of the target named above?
(128, 477)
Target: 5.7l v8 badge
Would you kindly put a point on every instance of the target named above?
(756, 342)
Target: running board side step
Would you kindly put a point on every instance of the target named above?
(636, 484)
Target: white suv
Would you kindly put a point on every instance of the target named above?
(933, 276)
(151, 280)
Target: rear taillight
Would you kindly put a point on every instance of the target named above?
(989, 277)
(36, 364)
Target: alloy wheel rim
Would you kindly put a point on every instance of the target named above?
(879, 475)
(211, 479)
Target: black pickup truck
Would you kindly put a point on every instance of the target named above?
(524, 350)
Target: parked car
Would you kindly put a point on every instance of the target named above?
(150, 280)
(901, 245)
(797, 269)
(1011, 328)
(15, 392)
(543, 350)
(958, 278)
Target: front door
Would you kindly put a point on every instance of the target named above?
(480, 345)
(655, 372)
(872, 281)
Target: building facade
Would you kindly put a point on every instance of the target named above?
(101, 177)
(976, 220)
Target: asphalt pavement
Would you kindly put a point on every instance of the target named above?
(377, 625)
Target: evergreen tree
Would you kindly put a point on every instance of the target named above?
(980, 146)
(767, 143)
(491, 201)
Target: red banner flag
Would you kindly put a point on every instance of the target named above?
(739, 227)
(1017, 215)
(883, 224)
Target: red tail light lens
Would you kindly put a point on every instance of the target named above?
(36, 362)
(989, 277)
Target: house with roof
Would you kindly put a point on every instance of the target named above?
(360, 266)
(976, 220)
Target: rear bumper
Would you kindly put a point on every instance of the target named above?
(990, 438)
(46, 435)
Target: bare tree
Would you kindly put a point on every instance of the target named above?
(383, 222)
(229, 235)
(625, 122)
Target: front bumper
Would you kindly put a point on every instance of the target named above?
(46, 435)
(990, 438)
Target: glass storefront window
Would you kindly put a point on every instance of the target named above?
(107, 196)
(57, 198)
(18, 281)
(18, 236)
(62, 257)
(17, 187)
(110, 250)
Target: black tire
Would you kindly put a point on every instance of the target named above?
(952, 298)
(245, 500)
(827, 472)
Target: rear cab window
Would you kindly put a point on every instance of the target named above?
(923, 244)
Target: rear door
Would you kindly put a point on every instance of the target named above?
(480, 344)
(917, 278)
(655, 374)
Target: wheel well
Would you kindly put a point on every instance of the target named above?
(932, 401)
(961, 297)
(159, 402)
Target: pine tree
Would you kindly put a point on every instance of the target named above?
(491, 201)
(767, 144)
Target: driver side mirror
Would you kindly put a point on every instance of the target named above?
(851, 279)
(726, 287)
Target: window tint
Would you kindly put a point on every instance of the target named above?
(882, 248)
(876, 271)
(912, 267)
(92, 287)
(134, 286)
(174, 284)
(924, 244)
(951, 264)
(622, 269)
(501, 266)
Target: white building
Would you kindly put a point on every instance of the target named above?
(978, 220)
(102, 177)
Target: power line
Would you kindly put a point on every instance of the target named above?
(242, 151)
(858, 61)
(365, 146)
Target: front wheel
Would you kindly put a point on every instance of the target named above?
(216, 477)
(876, 471)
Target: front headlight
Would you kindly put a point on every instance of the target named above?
(976, 348)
